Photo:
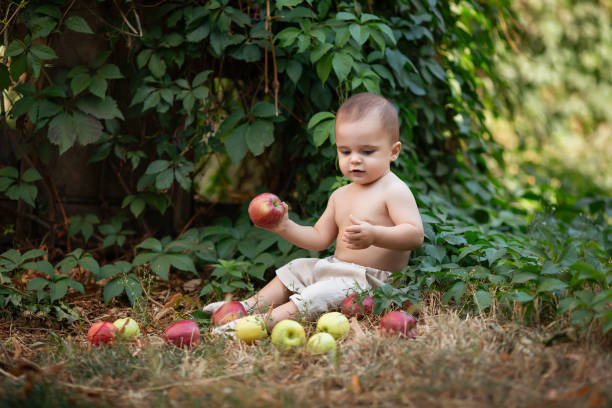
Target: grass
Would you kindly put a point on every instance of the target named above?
(456, 361)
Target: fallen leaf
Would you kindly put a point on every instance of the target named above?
(356, 327)
(596, 399)
(355, 384)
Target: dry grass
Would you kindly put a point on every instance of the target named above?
(456, 361)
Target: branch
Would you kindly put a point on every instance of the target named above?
(44, 223)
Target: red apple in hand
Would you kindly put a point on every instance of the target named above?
(101, 333)
(184, 333)
(399, 323)
(230, 311)
(352, 307)
(266, 210)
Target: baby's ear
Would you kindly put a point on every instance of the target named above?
(395, 150)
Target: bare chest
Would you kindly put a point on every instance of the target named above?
(369, 206)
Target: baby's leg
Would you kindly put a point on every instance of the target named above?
(274, 293)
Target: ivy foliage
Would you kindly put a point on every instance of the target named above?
(256, 84)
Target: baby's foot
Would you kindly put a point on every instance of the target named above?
(214, 306)
(227, 329)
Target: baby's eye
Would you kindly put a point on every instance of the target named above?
(368, 152)
(344, 152)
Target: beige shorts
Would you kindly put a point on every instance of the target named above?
(322, 284)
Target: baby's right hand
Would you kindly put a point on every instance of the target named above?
(282, 224)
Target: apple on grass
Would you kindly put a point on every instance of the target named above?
(288, 333)
(399, 323)
(126, 328)
(334, 323)
(266, 210)
(251, 328)
(184, 333)
(231, 310)
(351, 306)
(101, 333)
(320, 343)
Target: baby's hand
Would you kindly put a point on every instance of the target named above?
(283, 222)
(360, 235)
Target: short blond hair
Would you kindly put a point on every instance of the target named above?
(364, 104)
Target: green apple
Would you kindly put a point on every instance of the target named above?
(126, 328)
(251, 328)
(334, 323)
(321, 343)
(288, 333)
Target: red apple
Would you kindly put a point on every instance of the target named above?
(266, 210)
(229, 311)
(101, 333)
(184, 333)
(352, 307)
(399, 323)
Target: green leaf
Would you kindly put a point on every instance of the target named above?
(143, 57)
(31, 175)
(151, 244)
(455, 292)
(90, 264)
(522, 277)
(100, 59)
(37, 284)
(171, 40)
(18, 66)
(98, 87)
(235, 143)
(550, 268)
(342, 64)
(133, 289)
(263, 109)
(79, 83)
(201, 77)
(157, 66)
(322, 132)
(58, 289)
(318, 117)
(182, 262)
(551, 284)
(15, 48)
(10, 172)
(199, 33)
(43, 52)
(61, 132)
(78, 24)
(493, 254)
(87, 128)
(318, 52)
(521, 297)
(164, 179)
(359, 33)
(287, 3)
(113, 289)
(137, 207)
(161, 267)
(157, 166)
(345, 16)
(99, 108)
(324, 67)
(568, 304)
(40, 266)
(35, 64)
(484, 300)
(109, 71)
(294, 70)
(259, 135)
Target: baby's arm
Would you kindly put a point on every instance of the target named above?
(405, 234)
(316, 238)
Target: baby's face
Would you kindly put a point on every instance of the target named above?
(365, 151)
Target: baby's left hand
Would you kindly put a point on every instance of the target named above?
(360, 235)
